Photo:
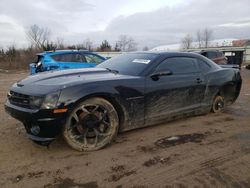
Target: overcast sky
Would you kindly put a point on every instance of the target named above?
(150, 22)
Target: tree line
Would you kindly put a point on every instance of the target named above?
(40, 40)
(203, 38)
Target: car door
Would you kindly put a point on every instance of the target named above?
(64, 61)
(175, 90)
(78, 61)
(68, 60)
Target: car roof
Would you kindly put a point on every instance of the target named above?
(169, 54)
(56, 52)
(209, 50)
(176, 54)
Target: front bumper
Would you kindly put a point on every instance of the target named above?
(42, 126)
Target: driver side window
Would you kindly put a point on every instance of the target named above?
(179, 65)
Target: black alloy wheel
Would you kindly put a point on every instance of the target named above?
(92, 125)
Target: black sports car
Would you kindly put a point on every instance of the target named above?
(90, 106)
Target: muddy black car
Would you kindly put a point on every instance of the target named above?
(90, 106)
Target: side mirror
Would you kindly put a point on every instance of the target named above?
(157, 74)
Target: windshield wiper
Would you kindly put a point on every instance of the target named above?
(113, 71)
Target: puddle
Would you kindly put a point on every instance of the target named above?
(146, 149)
(244, 139)
(64, 183)
(118, 168)
(156, 160)
(242, 136)
(180, 139)
(119, 172)
(17, 179)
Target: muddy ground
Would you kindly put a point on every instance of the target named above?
(212, 151)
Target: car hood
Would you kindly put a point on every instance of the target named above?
(46, 82)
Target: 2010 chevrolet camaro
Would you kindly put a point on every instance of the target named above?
(90, 106)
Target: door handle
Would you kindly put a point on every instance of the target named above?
(198, 80)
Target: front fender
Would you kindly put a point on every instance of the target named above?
(127, 96)
(72, 95)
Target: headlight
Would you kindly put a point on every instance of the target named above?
(51, 100)
(35, 102)
(38, 64)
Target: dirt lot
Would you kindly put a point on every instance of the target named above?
(212, 151)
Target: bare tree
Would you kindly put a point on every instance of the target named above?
(207, 36)
(122, 42)
(2, 55)
(48, 46)
(204, 37)
(126, 43)
(199, 38)
(12, 54)
(117, 48)
(132, 45)
(38, 36)
(88, 44)
(105, 46)
(145, 48)
(187, 41)
(60, 43)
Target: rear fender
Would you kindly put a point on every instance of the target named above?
(231, 90)
(227, 84)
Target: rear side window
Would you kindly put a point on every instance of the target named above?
(179, 65)
(90, 58)
(68, 57)
(220, 54)
(62, 57)
(77, 58)
(204, 67)
(211, 55)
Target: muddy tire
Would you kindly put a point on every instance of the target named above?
(218, 104)
(92, 125)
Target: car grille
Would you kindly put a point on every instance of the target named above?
(18, 99)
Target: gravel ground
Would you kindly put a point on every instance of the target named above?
(212, 151)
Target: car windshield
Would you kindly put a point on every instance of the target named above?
(129, 64)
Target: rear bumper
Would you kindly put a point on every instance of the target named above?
(42, 126)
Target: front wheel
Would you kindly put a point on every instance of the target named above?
(92, 125)
(218, 104)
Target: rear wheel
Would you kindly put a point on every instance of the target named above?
(218, 104)
(92, 125)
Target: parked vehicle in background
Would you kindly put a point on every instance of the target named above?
(215, 55)
(90, 106)
(65, 59)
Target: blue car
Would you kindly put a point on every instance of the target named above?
(65, 59)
